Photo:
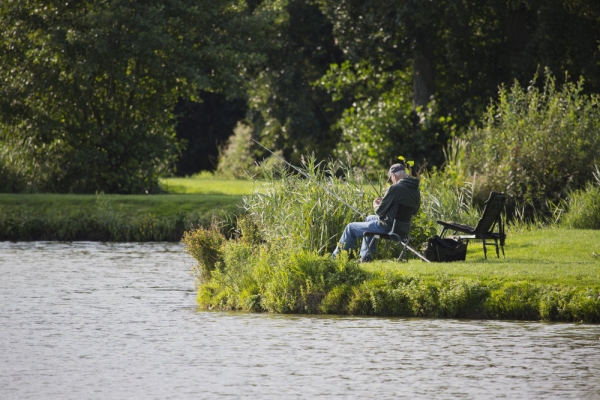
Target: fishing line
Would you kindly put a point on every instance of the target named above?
(344, 143)
(310, 178)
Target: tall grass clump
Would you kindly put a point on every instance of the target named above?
(537, 143)
(583, 206)
(17, 168)
(448, 194)
(300, 209)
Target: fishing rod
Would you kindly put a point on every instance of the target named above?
(344, 143)
(311, 179)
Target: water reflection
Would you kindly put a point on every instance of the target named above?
(88, 320)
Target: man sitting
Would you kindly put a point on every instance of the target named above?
(404, 192)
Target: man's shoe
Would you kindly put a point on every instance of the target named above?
(364, 260)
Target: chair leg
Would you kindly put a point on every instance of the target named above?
(407, 247)
(484, 249)
(497, 250)
(403, 244)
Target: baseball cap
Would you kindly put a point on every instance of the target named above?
(395, 168)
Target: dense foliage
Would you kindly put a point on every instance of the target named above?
(89, 87)
(537, 144)
(583, 206)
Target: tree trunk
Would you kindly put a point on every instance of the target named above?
(423, 65)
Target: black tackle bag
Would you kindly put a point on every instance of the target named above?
(445, 249)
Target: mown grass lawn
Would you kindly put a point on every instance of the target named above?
(193, 185)
(184, 195)
(190, 202)
(159, 205)
(566, 257)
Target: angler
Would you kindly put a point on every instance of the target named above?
(393, 214)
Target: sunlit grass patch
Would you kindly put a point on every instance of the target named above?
(208, 185)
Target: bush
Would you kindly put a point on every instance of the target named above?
(537, 144)
(205, 245)
(382, 122)
(236, 159)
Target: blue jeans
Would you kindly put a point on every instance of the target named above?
(355, 230)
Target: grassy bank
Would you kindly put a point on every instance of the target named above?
(120, 217)
(548, 274)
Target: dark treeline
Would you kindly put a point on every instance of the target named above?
(108, 96)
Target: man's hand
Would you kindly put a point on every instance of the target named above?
(376, 202)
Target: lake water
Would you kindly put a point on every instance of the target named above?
(118, 321)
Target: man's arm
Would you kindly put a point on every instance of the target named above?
(385, 204)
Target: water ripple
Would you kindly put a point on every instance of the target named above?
(97, 321)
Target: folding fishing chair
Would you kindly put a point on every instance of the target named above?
(490, 219)
(404, 214)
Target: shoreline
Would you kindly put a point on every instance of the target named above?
(109, 218)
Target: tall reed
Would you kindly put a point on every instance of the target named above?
(304, 209)
(583, 206)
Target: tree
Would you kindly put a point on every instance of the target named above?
(457, 53)
(381, 124)
(287, 111)
(89, 87)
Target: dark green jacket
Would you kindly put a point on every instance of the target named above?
(404, 193)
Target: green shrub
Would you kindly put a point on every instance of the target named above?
(205, 245)
(299, 281)
(382, 121)
(537, 144)
(236, 159)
